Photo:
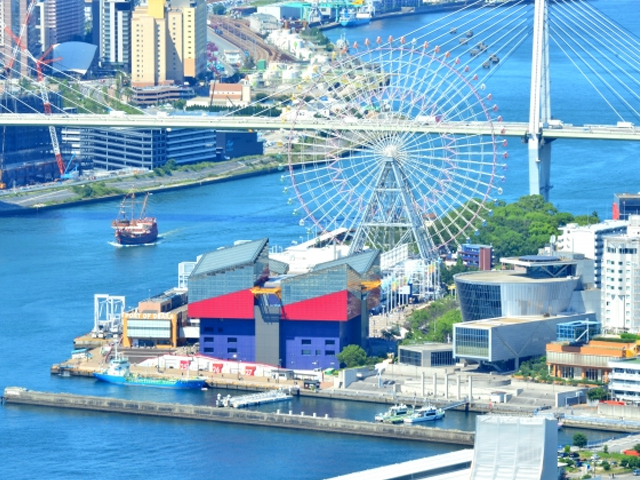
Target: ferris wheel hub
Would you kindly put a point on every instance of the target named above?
(391, 152)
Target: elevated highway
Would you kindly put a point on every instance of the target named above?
(503, 129)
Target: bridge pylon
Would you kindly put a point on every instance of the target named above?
(540, 105)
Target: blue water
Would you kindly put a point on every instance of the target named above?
(52, 263)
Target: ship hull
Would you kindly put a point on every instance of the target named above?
(354, 22)
(124, 237)
(140, 381)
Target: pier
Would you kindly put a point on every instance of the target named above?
(20, 396)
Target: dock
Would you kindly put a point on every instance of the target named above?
(16, 396)
(261, 398)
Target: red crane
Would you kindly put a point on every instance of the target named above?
(18, 40)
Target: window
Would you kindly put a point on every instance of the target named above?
(208, 339)
(232, 340)
(318, 352)
(306, 341)
(208, 349)
(329, 342)
(232, 350)
(306, 353)
(329, 352)
(208, 329)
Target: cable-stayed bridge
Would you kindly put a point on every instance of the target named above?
(404, 133)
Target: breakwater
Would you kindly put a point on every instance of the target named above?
(21, 396)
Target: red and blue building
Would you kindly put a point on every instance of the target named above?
(252, 309)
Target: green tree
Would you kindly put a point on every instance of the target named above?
(636, 447)
(597, 394)
(579, 440)
(352, 356)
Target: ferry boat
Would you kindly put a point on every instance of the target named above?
(396, 414)
(350, 17)
(131, 229)
(119, 372)
(425, 414)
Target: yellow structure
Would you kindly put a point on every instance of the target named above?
(168, 42)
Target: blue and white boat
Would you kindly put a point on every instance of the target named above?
(119, 372)
(351, 17)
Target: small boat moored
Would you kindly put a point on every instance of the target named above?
(427, 413)
(396, 414)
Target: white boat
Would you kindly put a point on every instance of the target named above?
(395, 414)
(427, 413)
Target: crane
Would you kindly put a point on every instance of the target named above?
(18, 40)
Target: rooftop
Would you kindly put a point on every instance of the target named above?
(506, 321)
(504, 276)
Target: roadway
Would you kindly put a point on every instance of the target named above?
(228, 122)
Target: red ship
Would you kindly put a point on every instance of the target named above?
(131, 229)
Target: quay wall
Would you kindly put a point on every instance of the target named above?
(17, 395)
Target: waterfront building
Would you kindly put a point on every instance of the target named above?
(476, 256)
(26, 154)
(168, 42)
(625, 204)
(621, 280)
(624, 380)
(503, 343)
(586, 362)
(535, 285)
(426, 355)
(232, 144)
(160, 322)
(115, 33)
(252, 308)
(146, 148)
(589, 241)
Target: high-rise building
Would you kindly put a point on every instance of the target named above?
(115, 33)
(589, 241)
(12, 15)
(621, 280)
(61, 21)
(168, 42)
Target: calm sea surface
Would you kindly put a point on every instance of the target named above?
(51, 265)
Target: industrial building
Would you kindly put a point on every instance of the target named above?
(503, 343)
(536, 285)
(253, 309)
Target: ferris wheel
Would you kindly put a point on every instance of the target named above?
(421, 168)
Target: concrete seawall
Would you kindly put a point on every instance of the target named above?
(17, 395)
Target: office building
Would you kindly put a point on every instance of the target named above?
(168, 42)
(146, 148)
(61, 21)
(12, 15)
(476, 256)
(621, 281)
(251, 309)
(115, 33)
(589, 241)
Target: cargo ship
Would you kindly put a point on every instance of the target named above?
(131, 229)
(119, 373)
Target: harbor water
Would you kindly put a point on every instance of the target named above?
(52, 263)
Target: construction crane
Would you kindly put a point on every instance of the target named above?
(68, 175)
(18, 40)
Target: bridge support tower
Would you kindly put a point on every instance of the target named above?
(540, 105)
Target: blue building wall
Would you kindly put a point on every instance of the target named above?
(226, 338)
(309, 344)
